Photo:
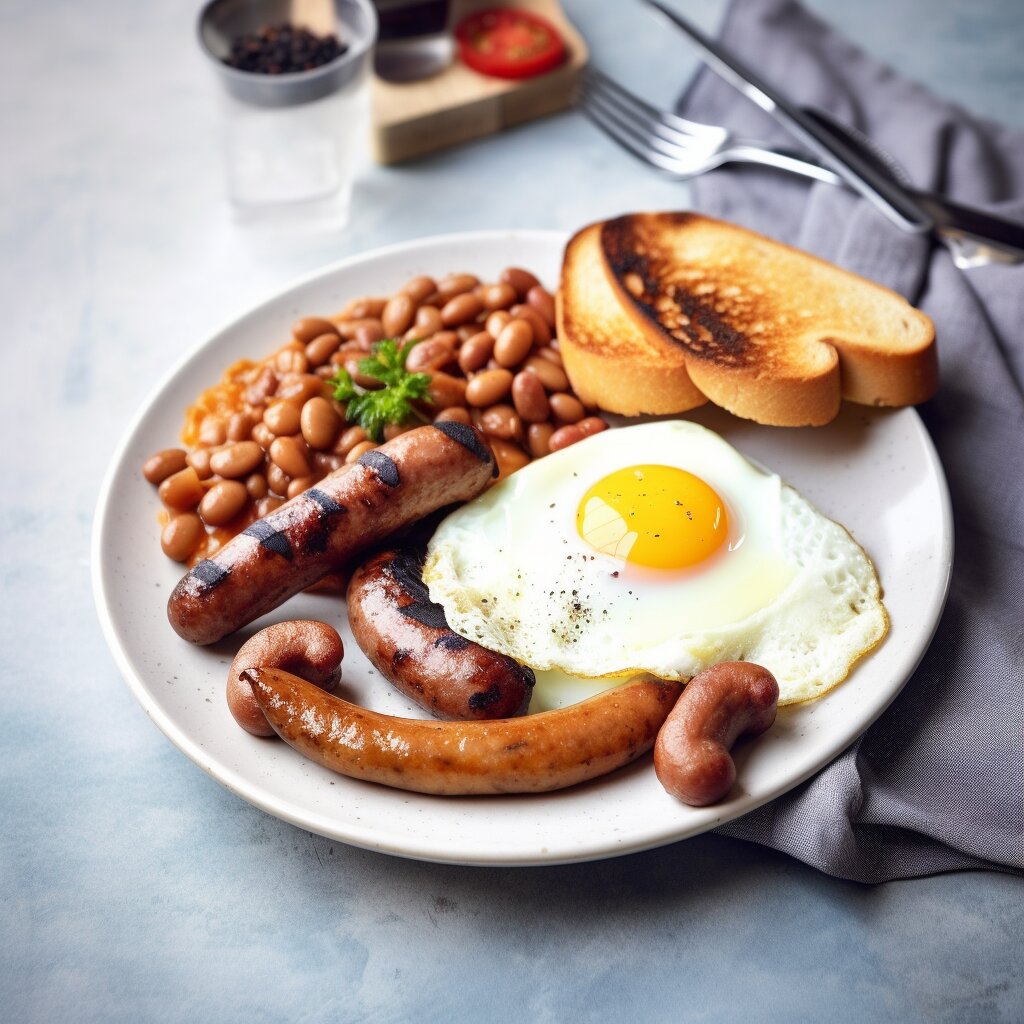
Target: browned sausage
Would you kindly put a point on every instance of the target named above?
(534, 754)
(722, 703)
(408, 640)
(310, 649)
(325, 526)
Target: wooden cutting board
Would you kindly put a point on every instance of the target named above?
(413, 118)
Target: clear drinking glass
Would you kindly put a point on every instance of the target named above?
(293, 142)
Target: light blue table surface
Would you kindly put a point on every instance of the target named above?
(134, 887)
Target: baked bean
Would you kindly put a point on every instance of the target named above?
(502, 421)
(498, 296)
(573, 432)
(461, 309)
(300, 387)
(433, 354)
(349, 330)
(319, 423)
(237, 460)
(282, 417)
(213, 430)
(541, 330)
(392, 430)
(368, 334)
(475, 352)
(264, 385)
(362, 379)
(158, 467)
(222, 502)
(520, 280)
(291, 360)
(397, 315)
(277, 479)
(513, 345)
(240, 426)
(181, 536)
(359, 450)
(300, 484)
(268, 504)
(446, 390)
(350, 350)
(566, 408)
(326, 372)
(290, 454)
(543, 301)
(508, 456)
(310, 327)
(496, 321)
(529, 398)
(454, 414)
(552, 355)
(326, 463)
(256, 485)
(368, 305)
(182, 491)
(428, 321)
(488, 387)
(263, 435)
(592, 425)
(455, 284)
(538, 439)
(418, 288)
(321, 348)
(348, 440)
(199, 460)
(551, 376)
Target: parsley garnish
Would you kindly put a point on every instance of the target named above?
(372, 410)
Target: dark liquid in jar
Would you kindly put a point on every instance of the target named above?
(406, 19)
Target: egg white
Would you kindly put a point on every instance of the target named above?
(789, 590)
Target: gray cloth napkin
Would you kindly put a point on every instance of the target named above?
(937, 783)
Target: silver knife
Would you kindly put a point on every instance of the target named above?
(974, 236)
(861, 175)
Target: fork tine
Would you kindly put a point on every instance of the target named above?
(632, 108)
(682, 154)
(672, 122)
(628, 137)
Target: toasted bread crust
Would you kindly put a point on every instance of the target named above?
(764, 330)
(612, 362)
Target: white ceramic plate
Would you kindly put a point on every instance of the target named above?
(875, 471)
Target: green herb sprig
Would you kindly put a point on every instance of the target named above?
(373, 410)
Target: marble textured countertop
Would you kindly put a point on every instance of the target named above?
(135, 887)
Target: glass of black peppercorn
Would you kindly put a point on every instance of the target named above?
(295, 80)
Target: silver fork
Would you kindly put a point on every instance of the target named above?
(682, 149)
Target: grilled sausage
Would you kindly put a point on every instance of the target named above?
(722, 703)
(325, 526)
(408, 640)
(534, 754)
(310, 649)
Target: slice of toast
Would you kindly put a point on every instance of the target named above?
(612, 361)
(765, 331)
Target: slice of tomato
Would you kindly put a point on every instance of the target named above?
(508, 43)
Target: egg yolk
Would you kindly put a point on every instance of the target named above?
(661, 517)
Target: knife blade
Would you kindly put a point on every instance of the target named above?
(974, 235)
(861, 175)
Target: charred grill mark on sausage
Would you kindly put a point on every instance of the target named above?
(465, 435)
(327, 509)
(270, 538)
(383, 466)
(209, 573)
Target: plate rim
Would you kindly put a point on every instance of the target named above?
(363, 836)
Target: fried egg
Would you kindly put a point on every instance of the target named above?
(658, 548)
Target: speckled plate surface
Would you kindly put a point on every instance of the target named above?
(874, 471)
